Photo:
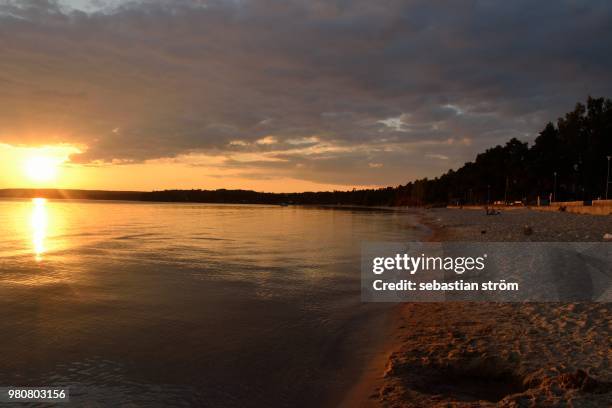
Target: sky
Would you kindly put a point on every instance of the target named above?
(286, 95)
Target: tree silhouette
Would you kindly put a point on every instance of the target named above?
(575, 149)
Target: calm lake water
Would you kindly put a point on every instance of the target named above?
(137, 304)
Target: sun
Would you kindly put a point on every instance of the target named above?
(41, 168)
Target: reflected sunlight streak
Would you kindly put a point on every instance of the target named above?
(39, 221)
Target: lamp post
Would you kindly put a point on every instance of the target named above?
(555, 187)
(608, 176)
(506, 191)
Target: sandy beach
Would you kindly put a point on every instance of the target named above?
(499, 354)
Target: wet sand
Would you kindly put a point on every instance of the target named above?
(498, 354)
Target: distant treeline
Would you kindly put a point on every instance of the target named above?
(383, 196)
(568, 160)
(356, 197)
(71, 194)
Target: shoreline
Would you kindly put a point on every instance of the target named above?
(362, 392)
(499, 354)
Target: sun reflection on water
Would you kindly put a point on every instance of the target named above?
(39, 222)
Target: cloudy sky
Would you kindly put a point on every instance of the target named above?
(285, 95)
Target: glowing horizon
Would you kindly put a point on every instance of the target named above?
(50, 166)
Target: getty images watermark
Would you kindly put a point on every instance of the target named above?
(498, 272)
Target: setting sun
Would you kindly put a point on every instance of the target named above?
(41, 168)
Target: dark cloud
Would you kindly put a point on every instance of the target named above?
(386, 83)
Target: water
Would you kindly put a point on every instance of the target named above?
(137, 304)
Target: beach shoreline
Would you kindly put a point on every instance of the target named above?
(496, 354)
